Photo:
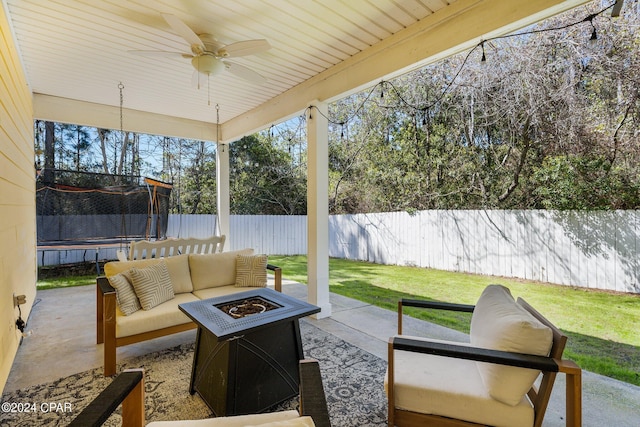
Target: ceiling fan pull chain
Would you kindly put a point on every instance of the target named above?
(121, 87)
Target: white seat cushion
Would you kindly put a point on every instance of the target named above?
(237, 421)
(451, 388)
(161, 316)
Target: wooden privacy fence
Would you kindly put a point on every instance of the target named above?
(599, 250)
(586, 249)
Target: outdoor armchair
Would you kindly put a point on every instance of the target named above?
(434, 382)
(128, 389)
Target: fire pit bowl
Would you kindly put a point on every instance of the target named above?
(246, 307)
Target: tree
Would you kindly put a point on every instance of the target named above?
(265, 179)
(465, 133)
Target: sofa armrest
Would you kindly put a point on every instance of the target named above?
(277, 276)
(104, 285)
(436, 305)
(106, 323)
(126, 389)
(103, 290)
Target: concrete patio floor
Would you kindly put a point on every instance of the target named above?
(63, 343)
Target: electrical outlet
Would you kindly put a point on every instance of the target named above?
(19, 300)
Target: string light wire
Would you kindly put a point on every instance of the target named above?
(425, 108)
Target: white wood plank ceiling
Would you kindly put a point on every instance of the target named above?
(80, 49)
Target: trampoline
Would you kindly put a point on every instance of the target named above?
(82, 213)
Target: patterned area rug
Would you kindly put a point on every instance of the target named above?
(353, 382)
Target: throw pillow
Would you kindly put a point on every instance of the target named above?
(500, 323)
(152, 285)
(251, 270)
(125, 295)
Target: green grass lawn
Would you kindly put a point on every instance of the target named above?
(65, 282)
(602, 326)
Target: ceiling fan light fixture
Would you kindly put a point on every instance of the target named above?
(207, 64)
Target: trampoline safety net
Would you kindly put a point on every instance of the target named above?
(81, 206)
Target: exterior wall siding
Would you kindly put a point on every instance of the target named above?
(17, 204)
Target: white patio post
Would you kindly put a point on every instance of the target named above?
(318, 208)
(222, 192)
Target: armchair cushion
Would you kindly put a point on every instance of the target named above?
(152, 285)
(437, 385)
(296, 422)
(499, 323)
(235, 421)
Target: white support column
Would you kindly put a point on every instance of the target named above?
(318, 208)
(222, 186)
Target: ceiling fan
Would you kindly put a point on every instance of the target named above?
(208, 56)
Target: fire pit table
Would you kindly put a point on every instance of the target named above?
(247, 351)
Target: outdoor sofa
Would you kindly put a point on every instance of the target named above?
(138, 300)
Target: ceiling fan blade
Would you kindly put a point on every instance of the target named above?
(247, 47)
(245, 73)
(183, 30)
(158, 53)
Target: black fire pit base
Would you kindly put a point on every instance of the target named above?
(248, 374)
(247, 365)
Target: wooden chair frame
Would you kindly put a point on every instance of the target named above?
(128, 389)
(539, 397)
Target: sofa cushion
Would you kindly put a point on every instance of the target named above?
(500, 323)
(211, 270)
(125, 294)
(152, 285)
(178, 267)
(453, 388)
(218, 291)
(251, 271)
(162, 316)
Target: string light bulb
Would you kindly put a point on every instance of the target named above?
(382, 84)
(594, 33)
